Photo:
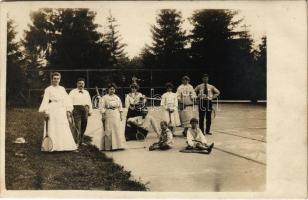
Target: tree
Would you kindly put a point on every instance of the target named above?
(220, 48)
(116, 49)
(66, 38)
(16, 81)
(169, 41)
(260, 66)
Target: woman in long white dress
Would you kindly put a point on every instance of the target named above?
(55, 105)
(169, 103)
(111, 109)
(186, 97)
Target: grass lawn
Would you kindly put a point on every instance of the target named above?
(27, 168)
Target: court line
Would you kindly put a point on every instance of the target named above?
(223, 132)
(240, 156)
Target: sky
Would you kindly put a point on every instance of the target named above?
(135, 20)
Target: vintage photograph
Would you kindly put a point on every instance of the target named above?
(136, 98)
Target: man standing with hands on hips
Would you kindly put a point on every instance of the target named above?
(82, 109)
(205, 94)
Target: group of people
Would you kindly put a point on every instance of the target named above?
(177, 110)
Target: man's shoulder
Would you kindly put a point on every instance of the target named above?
(73, 90)
(211, 86)
(86, 91)
(199, 85)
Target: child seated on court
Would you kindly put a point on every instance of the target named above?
(165, 139)
(196, 139)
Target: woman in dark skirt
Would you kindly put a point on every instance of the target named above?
(134, 102)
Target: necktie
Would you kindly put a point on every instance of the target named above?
(80, 91)
(205, 90)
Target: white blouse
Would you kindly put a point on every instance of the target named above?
(55, 94)
(133, 99)
(186, 90)
(186, 93)
(110, 102)
(169, 100)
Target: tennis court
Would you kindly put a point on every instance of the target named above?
(237, 163)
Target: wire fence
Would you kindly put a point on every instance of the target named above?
(151, 81)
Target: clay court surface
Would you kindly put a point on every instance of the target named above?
(237, 162)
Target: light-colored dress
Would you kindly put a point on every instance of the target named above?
(186, 97)
(56, 103)
(170, 100)
(111, 106)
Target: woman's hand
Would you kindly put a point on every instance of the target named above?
(171, 110)
(46, 116)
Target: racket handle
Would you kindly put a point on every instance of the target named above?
(46, 121)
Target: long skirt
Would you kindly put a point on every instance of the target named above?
(59, 130)
(172, 117)
(187, 114)
(133, 113)
(114, 128)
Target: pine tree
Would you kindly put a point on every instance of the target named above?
(220, 48)
(113, 39)
(65, 39)
(169, 41)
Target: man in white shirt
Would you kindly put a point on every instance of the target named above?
(82, 109)
(205, 94)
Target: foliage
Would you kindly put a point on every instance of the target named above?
(169, 42)
(115, 47)
(16, 80)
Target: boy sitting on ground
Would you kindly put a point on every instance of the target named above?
(165, 139)
(196, 139)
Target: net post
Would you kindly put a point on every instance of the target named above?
(88, 81)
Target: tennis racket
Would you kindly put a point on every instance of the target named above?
(213, 114)
(97, 92)
(142, 138)
(75, 132)
(47, 144)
